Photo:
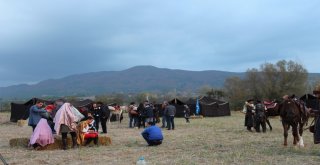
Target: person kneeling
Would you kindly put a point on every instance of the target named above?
(42, 135)
(87, 132)
(152, 134)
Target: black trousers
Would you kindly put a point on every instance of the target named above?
(96, 122)
(103, 124)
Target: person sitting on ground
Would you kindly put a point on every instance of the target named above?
(42, 135)
(87, 132)
(152, 134)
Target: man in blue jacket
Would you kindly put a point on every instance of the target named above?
(152, 134)
(35, 114)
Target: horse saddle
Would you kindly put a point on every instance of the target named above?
(270, 104)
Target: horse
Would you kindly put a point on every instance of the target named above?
(272, 110)
(117, 111)
(293, 114)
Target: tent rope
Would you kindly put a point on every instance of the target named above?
(3, 161)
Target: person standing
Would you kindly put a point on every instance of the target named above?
(249, 120)
(260, 116)
(66, 122)
(164, 117)
(95, 112)
(170, 112)
(133, 115)
(104, 113)
(152, 134)
(316, 114)
(35, 114)
(142, 114)
(149, 112)
(186, 113)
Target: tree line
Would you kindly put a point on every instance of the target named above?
(269, 82)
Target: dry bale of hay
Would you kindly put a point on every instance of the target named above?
(19, 142)
(22, 123)
(23, 142)
(104, 140)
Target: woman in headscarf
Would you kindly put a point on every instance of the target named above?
(65, 121)
(42, 135)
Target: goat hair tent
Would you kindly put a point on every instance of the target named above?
(21, 110)
(310, 100)
(209, 107)
(179, 107)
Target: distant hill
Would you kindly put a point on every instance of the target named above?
(135, 79)
(132, 80)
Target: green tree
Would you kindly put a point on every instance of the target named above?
(284, 77)
(271, 81)
(236, 92)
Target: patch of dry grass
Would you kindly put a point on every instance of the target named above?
(220, 140)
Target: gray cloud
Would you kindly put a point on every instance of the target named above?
(41, 39)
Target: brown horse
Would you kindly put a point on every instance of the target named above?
(272, 110)
(293, 114)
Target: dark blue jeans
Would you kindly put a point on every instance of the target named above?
(151, 142)
(130, 121)
(170, 122)
(164, 120)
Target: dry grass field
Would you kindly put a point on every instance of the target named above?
(220, 140)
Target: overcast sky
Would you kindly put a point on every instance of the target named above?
(42, 39)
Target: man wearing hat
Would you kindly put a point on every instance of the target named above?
(249, 120)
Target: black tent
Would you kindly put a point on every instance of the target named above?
(310, 100)
(21, 110)
(83, 103)
(209, 107)
(179, 107)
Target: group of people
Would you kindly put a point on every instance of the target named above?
(63, 118)
(255, 115)
(148, 112)
(254, 112)
(142, 114)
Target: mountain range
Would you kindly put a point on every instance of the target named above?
(132, 80)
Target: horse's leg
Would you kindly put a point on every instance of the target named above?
(300, 143)
(301, 128)
(285, 133)
(264, 127)
(268, 122)
(295, 134)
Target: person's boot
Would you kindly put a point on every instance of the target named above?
(95, 141)
(88, 141)
(74, 142)
(64, 144)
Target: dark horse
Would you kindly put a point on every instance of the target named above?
(293, 114)
(272, 110)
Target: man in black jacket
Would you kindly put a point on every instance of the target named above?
(104, 113)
